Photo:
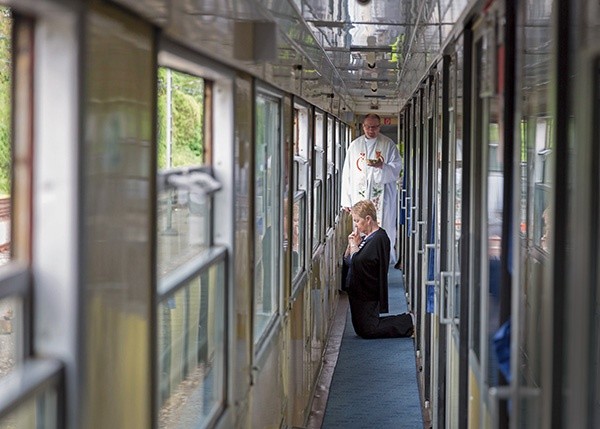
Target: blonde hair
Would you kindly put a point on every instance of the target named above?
(365, 208)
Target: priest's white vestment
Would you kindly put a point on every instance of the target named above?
(361, 181)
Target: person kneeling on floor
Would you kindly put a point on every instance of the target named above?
(368, 256)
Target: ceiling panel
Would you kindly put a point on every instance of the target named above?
(337, 52)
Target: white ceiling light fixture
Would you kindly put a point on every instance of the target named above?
(371, 60)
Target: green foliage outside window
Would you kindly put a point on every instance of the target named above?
(187, 109)
(5, 93)
(187, 119)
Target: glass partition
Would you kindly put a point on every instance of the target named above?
(191, 295)
(298, 235)
(191, 347)
(267, 212)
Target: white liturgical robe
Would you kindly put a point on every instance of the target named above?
(361, 181)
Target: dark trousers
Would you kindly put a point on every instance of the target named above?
(368, 324)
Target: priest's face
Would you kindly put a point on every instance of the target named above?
(371, 128)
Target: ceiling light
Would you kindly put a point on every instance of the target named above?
(371, 60)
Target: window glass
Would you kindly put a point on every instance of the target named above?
(267, 203)
(10, 333)
(5, 119)
(317, 214)
(541, 182)
(487, 294)
(330, 203)
(535, 49)
(191, 312)
(495, 206)
(37, 412)
(456, 117)
(319, 147)
(301, 173)
(301, 154)
(330, 140)
(480, 102)
(184, 211)
(11, 306)
(298, 235)
(191, 345)
(319, 178)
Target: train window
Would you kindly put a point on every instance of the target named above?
(317, 213)
(328, 199)
(535, 49)
(339, 138)
(5, 118)
(191, 343)
(181, 98)
(488, 147)
(495, 207)
(457, 148)
(10, 305)
(191, 268)
(541, 179)
(478, 281)
(298, 234)
(32, 414)
(267, 209)
(301, 174)
(301, 149)
(457, 116)
(523, 156)
(337, 167)
(184, 215)
(29, 388)
(331, 142)
(319, 177)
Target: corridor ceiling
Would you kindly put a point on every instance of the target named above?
(348, 56)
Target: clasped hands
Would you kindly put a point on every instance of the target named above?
(354, 240)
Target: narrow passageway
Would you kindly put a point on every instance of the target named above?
(373, 383)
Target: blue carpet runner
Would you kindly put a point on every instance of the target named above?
(374, 385)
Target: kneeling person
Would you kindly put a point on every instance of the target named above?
(368, 256)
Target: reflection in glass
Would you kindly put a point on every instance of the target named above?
(191, 346)
(184, 226)
(11, 334)
(298, 228)
(495, 206)
(5, 132)
(319, 147)
(317, 215)
(267, 196)
(184, 215)
(541, 209)
(38, 412)
(181, 103)
(535, 45)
